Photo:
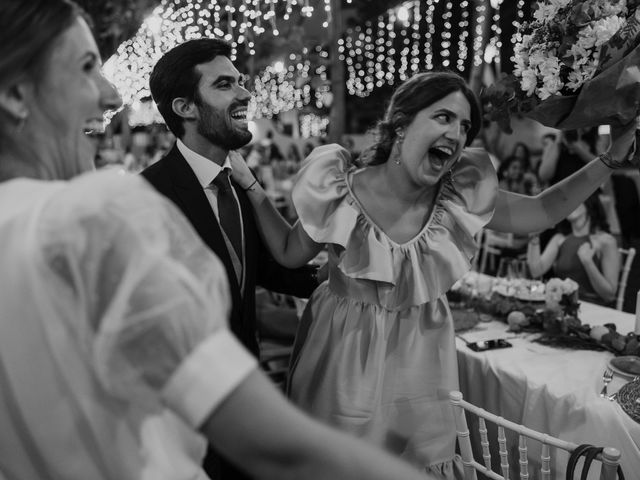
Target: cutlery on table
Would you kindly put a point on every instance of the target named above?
(607, 376)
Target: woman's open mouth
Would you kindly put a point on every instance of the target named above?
(439, 155)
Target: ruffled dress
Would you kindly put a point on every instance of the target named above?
(375, 353)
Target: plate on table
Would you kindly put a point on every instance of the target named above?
(627, 366)
(629, 399)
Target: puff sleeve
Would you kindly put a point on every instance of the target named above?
(146, 297)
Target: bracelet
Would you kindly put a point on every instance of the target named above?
(250, 187)
(608, 160)
(534, 240)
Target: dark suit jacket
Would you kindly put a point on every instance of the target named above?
(172, 176)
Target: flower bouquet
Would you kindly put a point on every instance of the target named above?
(577, 64)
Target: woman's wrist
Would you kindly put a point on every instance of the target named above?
(252, 186)
(609, 161)
(534, 240)
(613, 163)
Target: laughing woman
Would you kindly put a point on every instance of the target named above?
(375, 352)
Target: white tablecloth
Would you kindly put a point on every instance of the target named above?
(554, 391)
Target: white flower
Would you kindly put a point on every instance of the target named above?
(536, 62)
(569, 286)
(550, 67)
(613, 7)
(529, 81)
(544, 12)
(586, 39)
(551, 85)
(605, 28)
(575, 80)
(560, 3)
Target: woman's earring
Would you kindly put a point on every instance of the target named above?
(399, 141)
(22, 119)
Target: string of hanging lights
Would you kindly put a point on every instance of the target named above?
(419, 35)
(414, 35)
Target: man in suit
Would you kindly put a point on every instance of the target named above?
(202, 99)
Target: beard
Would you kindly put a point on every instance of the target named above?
(218, 128)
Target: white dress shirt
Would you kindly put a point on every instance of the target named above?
(206, 171)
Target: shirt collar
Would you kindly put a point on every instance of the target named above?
(206, 170)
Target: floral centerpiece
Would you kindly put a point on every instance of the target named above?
(562, 296)
(576, 65)
(551, 309)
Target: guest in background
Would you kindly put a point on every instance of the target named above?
(514, 176)
(522, 151)
(571, 151)
(586, 252)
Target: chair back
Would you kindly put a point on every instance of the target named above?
(491, 245)
(609, 458)
(627, 256)
(491, 249)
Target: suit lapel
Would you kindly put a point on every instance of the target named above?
(192, 200)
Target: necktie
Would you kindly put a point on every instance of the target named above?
(228, 211)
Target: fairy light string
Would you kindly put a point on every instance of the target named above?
(412, 36)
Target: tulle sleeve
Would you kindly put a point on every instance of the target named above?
(152, 298)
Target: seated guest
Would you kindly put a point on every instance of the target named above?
(586, 253)
(514, 176)
(116, 362)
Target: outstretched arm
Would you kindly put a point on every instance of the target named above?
(523, 215)
(277, 441)
(290, 246)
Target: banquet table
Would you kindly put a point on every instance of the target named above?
(552, 390)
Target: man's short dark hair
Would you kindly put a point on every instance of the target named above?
(175, 76)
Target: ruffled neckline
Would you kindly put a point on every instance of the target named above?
(348, 179)
(408, 273)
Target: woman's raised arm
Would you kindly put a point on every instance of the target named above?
(290, 246)
(523, 215)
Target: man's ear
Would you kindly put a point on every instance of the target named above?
(13, 101)
(184, 108)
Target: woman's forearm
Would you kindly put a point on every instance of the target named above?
(559, 200)
(534, 259)
(276, 441)
(522, 214)
(600, 284)
(290, 246)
